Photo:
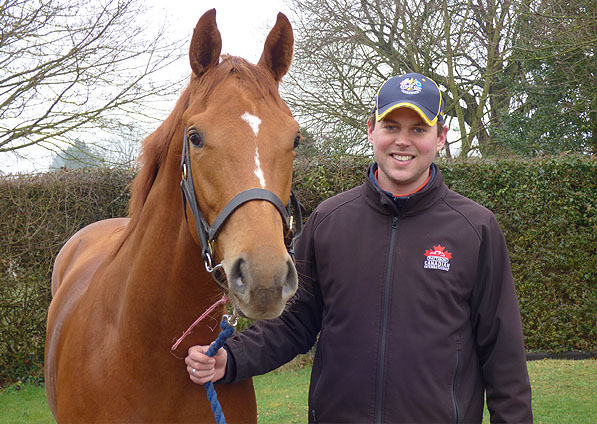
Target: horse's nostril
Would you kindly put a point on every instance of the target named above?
(237, 276)
(291, 281)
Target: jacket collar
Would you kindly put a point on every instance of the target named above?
(385, 202)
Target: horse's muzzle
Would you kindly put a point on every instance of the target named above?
(260, 285)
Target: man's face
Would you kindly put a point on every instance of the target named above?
(404, 147)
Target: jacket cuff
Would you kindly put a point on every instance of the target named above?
(230, 373)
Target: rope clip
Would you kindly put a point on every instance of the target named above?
(231, 319)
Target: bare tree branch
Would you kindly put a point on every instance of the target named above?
(71, 65)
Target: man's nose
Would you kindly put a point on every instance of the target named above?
(402, 139)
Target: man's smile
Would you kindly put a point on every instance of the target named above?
(402, 157)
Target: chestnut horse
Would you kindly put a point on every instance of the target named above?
(125, 288)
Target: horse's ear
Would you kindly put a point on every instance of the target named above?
(279, 45)
(206, 44)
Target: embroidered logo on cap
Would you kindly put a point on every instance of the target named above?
(438, 258)
(411, 86)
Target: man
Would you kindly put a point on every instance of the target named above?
(408, 285)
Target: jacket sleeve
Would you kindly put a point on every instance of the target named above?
(498, 329)
(268, 344)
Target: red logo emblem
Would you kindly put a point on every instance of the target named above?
(437, 258)
(439, 251)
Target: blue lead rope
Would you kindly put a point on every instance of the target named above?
(227, 331)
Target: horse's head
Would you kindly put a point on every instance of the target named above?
(240, 136)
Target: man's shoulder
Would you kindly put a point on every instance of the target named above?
(341, 198)
(474, 212)
(337, 201)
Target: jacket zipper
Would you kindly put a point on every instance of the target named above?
(384, 325)
(454, 401)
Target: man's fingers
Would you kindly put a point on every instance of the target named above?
(201, 368)
(197, 360)
(200, 374)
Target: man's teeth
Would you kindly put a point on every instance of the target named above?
(402, 157)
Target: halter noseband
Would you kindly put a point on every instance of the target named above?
(291, 217)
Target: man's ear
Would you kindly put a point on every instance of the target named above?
(369, 132)
(441, 140)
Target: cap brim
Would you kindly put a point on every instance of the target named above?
(428, 116)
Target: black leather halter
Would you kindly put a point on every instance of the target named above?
(291, 215)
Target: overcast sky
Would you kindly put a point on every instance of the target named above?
(243, 24)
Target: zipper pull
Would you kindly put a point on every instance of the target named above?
(394, 221)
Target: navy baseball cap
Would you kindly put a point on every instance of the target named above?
(414, 91)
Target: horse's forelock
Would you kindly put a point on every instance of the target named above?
(255, 78)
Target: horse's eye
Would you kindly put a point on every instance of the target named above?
(297, 140)
(196, 139)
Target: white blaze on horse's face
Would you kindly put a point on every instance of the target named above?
(254, 122)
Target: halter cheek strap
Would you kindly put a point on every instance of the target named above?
(291, 215)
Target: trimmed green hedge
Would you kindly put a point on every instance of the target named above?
(38, 214)
(546, 208)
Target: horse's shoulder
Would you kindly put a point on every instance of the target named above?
(74, 267)
(86, 249)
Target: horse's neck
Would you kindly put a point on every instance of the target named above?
(167, 283)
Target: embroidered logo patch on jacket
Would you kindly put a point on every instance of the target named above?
(438, 258)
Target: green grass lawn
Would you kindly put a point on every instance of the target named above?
(563, 392)
(282, 396)
(24, 404)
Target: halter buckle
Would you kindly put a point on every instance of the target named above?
(290, 231)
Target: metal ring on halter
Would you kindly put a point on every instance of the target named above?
(209, 264)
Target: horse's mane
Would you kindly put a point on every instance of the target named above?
(155, 146)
